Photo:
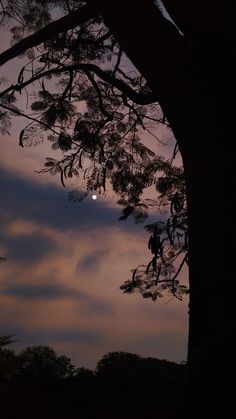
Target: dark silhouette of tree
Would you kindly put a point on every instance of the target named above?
(190, 71)
(83, 375)
(6, 340)
(126, 367)
(42, 363)
(140, 383)
(8, 359)
(117, 365)
(124, 385)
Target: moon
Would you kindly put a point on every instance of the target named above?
(94, 196)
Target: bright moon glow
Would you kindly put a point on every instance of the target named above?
(94, 196)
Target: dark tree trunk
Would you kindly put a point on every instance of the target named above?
(211, 185)
(195, 84)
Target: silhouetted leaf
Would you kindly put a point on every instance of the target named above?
(21, 144)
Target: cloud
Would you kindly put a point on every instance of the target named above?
(101, 308)
(27, 248)
(91, 305)
(89, 337)
(42, 337)
(48, 205)
(29, 291)
(91, 262)
(67, 293)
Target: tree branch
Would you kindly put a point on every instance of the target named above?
(67, 22)
(100, 99)
(19, 113)
(120, 85)
(102, 74)
(19, 86)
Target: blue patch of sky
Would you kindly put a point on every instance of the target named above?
(48, 205)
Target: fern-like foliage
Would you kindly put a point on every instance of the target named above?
(94, 108)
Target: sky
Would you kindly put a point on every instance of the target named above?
(65, 263)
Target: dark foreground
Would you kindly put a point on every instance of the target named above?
(123, 386)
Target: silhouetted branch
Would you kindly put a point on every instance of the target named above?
(136, 97)
(100, 100)
(20, 113)
(6, 340)
(131, 94)
(67, 22)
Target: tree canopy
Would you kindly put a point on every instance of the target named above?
(94, 106)
(39, 380)
(42, 362)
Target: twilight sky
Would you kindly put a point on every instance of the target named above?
(65, 262)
